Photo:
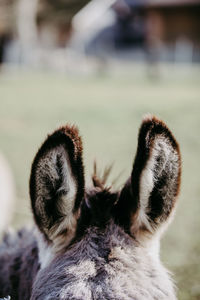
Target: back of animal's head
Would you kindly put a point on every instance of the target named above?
(63, 207)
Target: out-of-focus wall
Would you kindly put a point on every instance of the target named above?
(176, 28)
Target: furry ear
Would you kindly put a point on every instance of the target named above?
(149, 196)
(57, 184)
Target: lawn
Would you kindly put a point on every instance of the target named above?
(108, 109)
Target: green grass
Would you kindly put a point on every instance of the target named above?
(108, 109)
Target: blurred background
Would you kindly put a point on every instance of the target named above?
(103, 64)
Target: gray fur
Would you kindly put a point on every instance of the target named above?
(113, 254)
(118, 268)
(18, 264)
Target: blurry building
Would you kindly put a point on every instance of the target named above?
(174, 28)
(159, 29)
(167, 30)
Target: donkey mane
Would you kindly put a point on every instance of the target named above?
(100, 179)
(94, 242)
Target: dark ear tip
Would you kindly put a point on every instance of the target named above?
(149, 119)
(67, 136)
(69, 129)
(153, 126)
(72, 132)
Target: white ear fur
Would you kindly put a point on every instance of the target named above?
(169, 160)
(57, 187)
(47, 168)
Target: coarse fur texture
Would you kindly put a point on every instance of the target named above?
(95, 243)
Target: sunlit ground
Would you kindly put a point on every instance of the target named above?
(108, 109)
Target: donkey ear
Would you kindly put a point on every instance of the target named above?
(149, 196)
(57, 184)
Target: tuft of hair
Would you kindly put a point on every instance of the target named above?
(101, 179)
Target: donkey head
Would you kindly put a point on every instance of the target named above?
(80, 228)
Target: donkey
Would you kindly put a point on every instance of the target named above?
(93, 242)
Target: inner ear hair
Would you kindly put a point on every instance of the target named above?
(153, 187)
(57, 184)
